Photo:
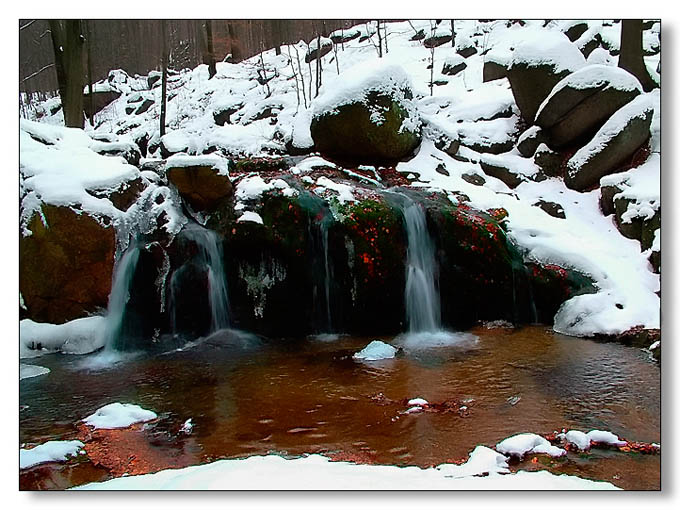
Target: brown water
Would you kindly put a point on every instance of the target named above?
(307, 396)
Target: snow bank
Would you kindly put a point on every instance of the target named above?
(272, 472)
(376, 350)
(118, 416)
(51, 451)
(79, 336)
(28, 371)
(521, 444)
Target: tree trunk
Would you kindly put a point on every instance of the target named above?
(631, 56)
(68, 41)
(379, 39)
(164, 78)
(90, 94)
(212, 67)
(453, 35)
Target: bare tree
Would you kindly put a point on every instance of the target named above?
(432, 30)
(302, 74)
(90, 92)
(380, 52)
(164, 77)
(212, 67)
(453, 35)
(68, 42)
(631, 57)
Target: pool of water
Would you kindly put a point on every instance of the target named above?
(295, 396)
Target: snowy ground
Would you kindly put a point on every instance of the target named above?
(316, 472)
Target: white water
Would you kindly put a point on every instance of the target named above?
(120, 294)
(210, 255)
(422, 295)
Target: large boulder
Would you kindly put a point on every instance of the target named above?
(66, 264)
(318, 48)
(612, 146)
(537, 65)
(581, 102)
(367, 115)
(202, 181)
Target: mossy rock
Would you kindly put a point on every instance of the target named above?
(350, 133)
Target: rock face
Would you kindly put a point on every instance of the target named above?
(201, 186)
(353, 133)
(581, 103)
(621, 136)
(66, 267)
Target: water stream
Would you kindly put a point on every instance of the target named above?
(120, 294)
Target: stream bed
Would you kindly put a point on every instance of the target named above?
(248, 396)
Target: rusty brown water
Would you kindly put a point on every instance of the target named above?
(301, 396)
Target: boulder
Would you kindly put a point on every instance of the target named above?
(369, 118)
(199, 180)
(552, 208)
(146, 104)
(466, 51)
(530, 140)
(549, 161)
(581, 102)
(493, 71)
(612, 146)
(452, 66)
(436, 40)
(499, 171)
(537, 65)
(418, 36)
(575, 30)
(99, 101)
(222, 116)
(315, 51)
(66, 264)
(124, 195)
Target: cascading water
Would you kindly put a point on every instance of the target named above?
(422, 296)
(423, 309)
(120, 294)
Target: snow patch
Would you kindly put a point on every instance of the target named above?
(376, 350)
(51, 451)
(118, 416)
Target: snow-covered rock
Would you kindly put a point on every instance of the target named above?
(376, 350)
(118, 416)
(51, 451)
(79, 336)
(522, 444)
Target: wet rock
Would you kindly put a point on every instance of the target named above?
(635, 337)
(201, 186)
(66, 265)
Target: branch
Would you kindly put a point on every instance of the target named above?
(36, 73)
(27, 24)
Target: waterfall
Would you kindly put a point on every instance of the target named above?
(422, 295)
(323, 226)
(210, 256)
(120, 294)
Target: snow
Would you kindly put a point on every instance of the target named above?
(314, 43)
(61, 168)
(640, 185)
(637, 108)
(28, 371)
(417, 402)
(272, 472)
(605, 437)
(187, 427)
(181, 161)
(542, 47)
(355, 84)
(51, 451)
(527, 443)
(344, 191)
(117, 416)
(577, 438)
(376, 350)
(252, 187)
(251, 217)
(79, 336)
